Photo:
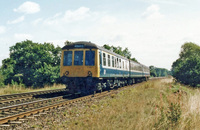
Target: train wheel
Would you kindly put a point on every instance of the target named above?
(112, 86)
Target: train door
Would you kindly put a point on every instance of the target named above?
(100, 62)
(129, 68)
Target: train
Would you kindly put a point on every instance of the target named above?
(86, 68)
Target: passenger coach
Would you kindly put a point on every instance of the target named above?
(86, 67)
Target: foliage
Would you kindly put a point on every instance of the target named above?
(67, 42)
(186, 68)
(33, 64)
(158, 72)
(1, 78)
(126, 53)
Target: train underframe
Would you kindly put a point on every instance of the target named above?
(89, 85)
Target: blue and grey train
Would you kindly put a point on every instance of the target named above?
(87, 67)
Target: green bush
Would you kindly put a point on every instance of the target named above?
(186, 69)
(32, 64)
(1, 79)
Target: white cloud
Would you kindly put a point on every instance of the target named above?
(108, 19)
(69, 16)
(153, 13)
(35, 22)
(18, 20)
(21, 36)
(53, 20)
(170, 2)
(2, 29)
(76, 15)
(28, 8)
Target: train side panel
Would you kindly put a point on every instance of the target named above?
(113, 66)
(136, 70)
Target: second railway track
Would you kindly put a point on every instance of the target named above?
(13, 99)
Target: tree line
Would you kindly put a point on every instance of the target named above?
(159, 72)
(36, 65)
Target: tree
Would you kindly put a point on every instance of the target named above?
(152, 71)
(36, 64)
(186, 68)
(1, 78)
(67, 42)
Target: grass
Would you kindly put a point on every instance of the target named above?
(12, 89)
(159, 104)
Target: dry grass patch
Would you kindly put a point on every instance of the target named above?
(12, 89)
(159, 104)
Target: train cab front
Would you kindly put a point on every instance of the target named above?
(79, 66)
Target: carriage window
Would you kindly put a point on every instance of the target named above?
(112, 61)
(89, 58)
(125, 65)
(115, 63)
(104, 59)
(109, 60)
(78, 58)
(67, 58)
(120, 65)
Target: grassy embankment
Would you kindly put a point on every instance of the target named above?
(12, 89)
(158, 104)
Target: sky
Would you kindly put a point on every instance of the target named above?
(153, 30)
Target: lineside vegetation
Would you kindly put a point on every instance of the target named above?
(159, 104)
(13, 89)
(186, 69)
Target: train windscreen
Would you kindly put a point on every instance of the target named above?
(78, 58)
(67, 58)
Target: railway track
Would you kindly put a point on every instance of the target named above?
(12, 99)
(16, 114)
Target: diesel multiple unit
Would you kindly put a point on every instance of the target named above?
(86, 67)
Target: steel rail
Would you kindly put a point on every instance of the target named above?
(24, 105)
(42, 109)
(2, 97)
(26, 96)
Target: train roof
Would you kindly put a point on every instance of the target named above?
(80, 44)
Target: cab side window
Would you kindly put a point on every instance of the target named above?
(89, 58)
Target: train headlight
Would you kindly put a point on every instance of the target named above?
(89, 73)
(66, 73)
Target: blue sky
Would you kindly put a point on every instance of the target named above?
(153, 30)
